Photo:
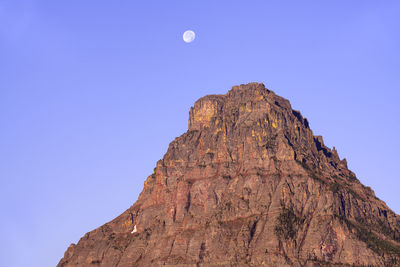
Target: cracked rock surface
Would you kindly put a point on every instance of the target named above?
(247, 185)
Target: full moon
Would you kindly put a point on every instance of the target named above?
(188, 36)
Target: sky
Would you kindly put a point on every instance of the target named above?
(92, 93)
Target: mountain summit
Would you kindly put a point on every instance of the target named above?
(247, 185)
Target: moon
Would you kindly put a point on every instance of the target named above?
(188, 36)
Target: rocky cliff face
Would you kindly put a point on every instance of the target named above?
(247, 185)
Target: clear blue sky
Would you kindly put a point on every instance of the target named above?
(92, 92)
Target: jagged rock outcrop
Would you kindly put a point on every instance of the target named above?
(247, 185)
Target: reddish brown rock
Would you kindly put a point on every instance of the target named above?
(247, 185)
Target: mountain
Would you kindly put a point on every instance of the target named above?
(247, 185)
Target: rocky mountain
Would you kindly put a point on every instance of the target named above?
(247, 185)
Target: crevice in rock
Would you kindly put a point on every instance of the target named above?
(187, 205)
(253, 230)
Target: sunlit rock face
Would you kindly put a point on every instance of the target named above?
(247, 185)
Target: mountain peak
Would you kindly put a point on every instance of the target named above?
(247, 185)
